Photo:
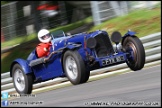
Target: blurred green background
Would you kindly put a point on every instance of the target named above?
(144, 21)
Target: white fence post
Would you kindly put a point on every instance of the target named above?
(95, 12)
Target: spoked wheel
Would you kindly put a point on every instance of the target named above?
(138, 60)
(23, 83)
(71, 67)
(74, 67)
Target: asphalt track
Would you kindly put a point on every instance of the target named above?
(139, 88)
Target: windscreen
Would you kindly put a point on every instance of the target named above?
(58, 34)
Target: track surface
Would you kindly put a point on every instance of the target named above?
(139, 88)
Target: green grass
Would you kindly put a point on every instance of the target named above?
(72, 26)
(144, 22)
(4, 2)
(18, 40)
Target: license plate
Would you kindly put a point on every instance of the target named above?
(112, 60)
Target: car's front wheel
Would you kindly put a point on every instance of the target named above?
(23, 83)
(138, 60)
(74, 67)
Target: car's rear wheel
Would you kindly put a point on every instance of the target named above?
(136, 46)
(74, 67)
(23, 83)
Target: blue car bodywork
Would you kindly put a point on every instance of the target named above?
(94, 58)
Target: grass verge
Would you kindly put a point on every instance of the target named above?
(142, 21)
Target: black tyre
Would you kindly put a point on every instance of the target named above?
(74, 67)
(23, 83)
(138, 52)
(85, 79)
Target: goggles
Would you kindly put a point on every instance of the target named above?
(46, 36)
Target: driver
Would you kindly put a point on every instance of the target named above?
(43, 48)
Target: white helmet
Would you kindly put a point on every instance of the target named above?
(44, 36)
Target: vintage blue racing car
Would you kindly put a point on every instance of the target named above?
(74, 56)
